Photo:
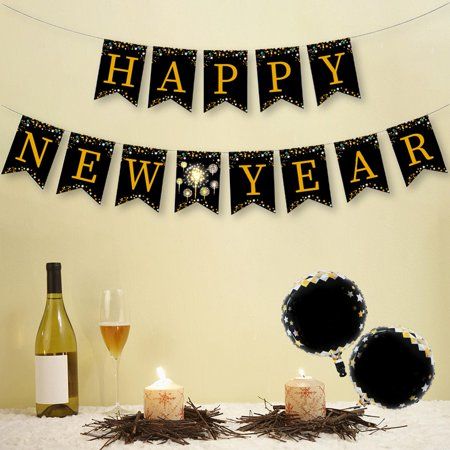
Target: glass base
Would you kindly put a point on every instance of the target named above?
(117, 412)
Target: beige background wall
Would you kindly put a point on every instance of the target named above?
(206, 290)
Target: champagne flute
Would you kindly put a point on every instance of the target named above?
(115, 327)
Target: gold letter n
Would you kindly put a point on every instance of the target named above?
(37, 157)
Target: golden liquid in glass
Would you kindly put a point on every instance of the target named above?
(115, 336)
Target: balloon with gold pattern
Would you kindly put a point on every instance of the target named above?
(323, 313)
(392, 367)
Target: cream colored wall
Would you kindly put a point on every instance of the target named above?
(206, 290)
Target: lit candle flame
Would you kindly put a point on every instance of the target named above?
(161, 373)
(301, 373)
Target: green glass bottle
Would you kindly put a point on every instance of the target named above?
(56, 354)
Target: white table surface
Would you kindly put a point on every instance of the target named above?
(428, 428)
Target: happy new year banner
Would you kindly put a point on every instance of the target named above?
(225, 74)
(332, 65)
(198, 173)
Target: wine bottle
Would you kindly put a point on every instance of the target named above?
(56, 354)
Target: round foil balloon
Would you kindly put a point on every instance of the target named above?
(324, 313)
(392, 367)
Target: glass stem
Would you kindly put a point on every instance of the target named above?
(117, 361)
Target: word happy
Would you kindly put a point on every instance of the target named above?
(225, 74)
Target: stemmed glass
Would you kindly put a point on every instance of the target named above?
(115, 326)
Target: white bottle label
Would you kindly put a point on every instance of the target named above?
(52, 379)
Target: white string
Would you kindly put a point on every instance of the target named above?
(378, 30)
(401, 23)
(327, 143)
(51, 24)
(382, 131)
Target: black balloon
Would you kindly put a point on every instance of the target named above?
(324, 313)
(392, 367)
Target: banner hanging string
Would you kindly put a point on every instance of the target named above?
(228, 151)
(378, 30)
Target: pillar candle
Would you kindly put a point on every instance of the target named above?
(305, 397)
(164, 399)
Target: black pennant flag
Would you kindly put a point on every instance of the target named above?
(86, 165)
(279, 76)
(225, 78)
(141, 175)
(33, 149)
(416, 148)
(305, 176)
(198, 180)
(121, 67)
(361, 165)
(251, 180)
(173, 72)
(333, 69)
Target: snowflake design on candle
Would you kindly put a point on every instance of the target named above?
(307, 402)
(165, 398)
(289, 408)
(306, 392)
